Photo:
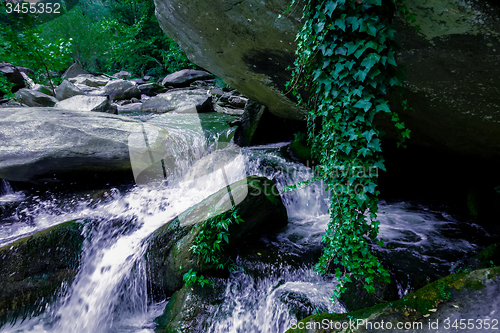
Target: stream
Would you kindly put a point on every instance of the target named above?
(276, 282)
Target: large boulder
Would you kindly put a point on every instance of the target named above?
(466, 300)
(48, 145)
(35, 98)
(73, 71)
(13, 75)
(186, 101)
(66, 90)
(33, 269)
(451, 63)
(185, 77)
(169, 256)
(241, 42)
(121, 89)
(87, 103)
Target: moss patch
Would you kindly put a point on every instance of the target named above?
(415, 305)
(33, 268)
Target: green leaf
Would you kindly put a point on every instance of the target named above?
(363, 104)
(330, 7)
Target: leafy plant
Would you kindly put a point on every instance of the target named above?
(5, 87)
(345, 62)
(191, 278)
(210, 243)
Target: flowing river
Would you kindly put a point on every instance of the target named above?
(276, 282)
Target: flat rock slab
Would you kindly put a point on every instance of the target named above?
(48, 145)
(181, 101)
(87, 103)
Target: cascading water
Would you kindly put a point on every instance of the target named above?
(109, 293)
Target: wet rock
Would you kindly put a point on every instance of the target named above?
(71, 146)
(230, 111)
(66, 90)
(191, 101)
(463, 296)
(87, 103)
(35, 98)
(73, 71)
(33, 269)
(249, 122)
(169, 255)
(13, 75)
(237, 101)
(185, 77)
(185, 312)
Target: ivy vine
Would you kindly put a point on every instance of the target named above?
(344, 68)
(209, 245)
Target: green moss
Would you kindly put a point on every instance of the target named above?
(267, 187)
(300, 151)
(416, 304)
(33, 268)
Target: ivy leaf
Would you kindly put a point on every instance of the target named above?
(363, 104)
(383, 107)
(330, 7)
(340, 22)
(369, 134)
(318, 27)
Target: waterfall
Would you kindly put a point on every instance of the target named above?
(109, 293)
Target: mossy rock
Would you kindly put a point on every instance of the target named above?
(189, 308)
(33, 268)
(169, 256)
(473, 295)
(301, 152)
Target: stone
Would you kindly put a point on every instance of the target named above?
(245, 44)
(250, 119)
(95, 81)
(185, 77)
(451, 63)
(25, 70)
(73, 71)
(32, 269)
(78, 79)
(121, 89)
(152, 89)
(87, 103)
(431, 309)
(132, 107)
(66, 90)
(30, 84)
(237, 101)
(35, 98)
(168, 255)
(71, 146)
(43, 89)
(13, 75)
(229, 111)
(189, 101)
(122, 75)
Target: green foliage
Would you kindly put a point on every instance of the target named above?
(210, 243)
(345, 61)
(21, 44)
(111, 36)
(5, 87)
(213, 236)
(191, 278)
